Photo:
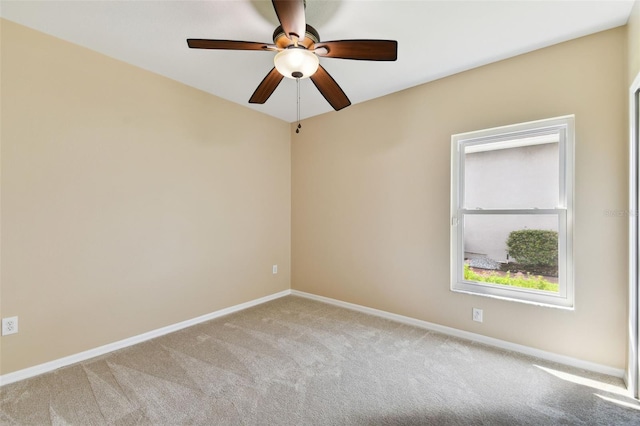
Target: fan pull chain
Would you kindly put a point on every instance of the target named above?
(298, 103)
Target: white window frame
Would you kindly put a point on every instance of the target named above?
(563, 127)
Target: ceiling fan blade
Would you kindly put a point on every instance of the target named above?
(200, 43)
(366, 50)
(330, 89)
(291, 16)
(266, 87)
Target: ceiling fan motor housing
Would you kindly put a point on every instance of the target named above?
(281, 40)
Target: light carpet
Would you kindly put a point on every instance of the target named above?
(295, 361)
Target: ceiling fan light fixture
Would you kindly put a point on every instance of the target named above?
(296, 62)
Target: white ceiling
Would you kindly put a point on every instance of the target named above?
(435, 39)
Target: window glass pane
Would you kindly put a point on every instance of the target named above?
(512, 250)
(503, 175)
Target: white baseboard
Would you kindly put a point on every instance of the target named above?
(502, 344)
(91, 353)
(83, 356)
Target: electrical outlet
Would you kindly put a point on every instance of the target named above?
(275, 269)
(477, 315)
(9, 325)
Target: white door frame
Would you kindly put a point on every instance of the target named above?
(633, 361)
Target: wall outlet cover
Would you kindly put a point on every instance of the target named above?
(9, 325)
(477, 315)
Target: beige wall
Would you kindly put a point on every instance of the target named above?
(370, 196)
(633, 41)
(129, 201)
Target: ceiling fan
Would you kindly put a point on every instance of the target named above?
(299, 46)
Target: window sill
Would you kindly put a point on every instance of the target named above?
(513, 299)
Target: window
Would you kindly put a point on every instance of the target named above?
(511, 208)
